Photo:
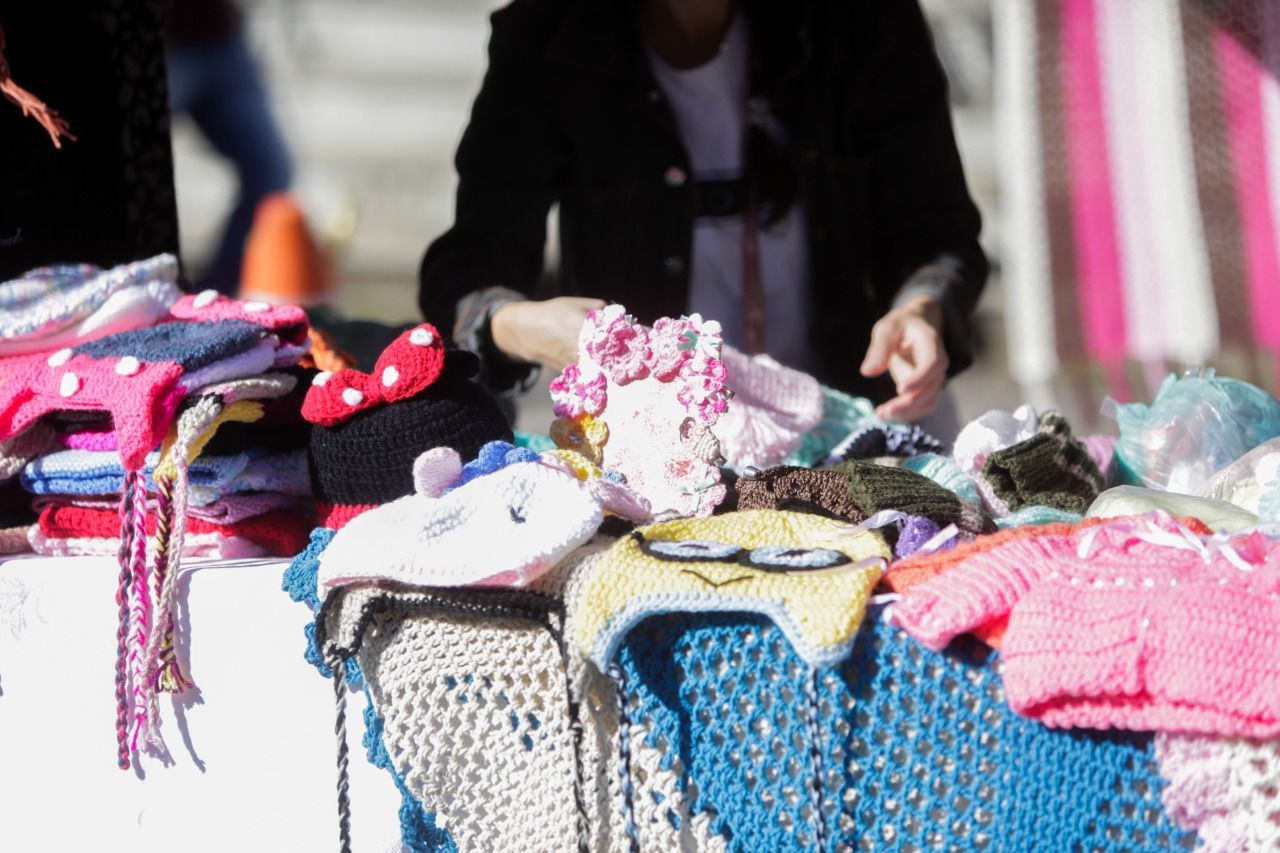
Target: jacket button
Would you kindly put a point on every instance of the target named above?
(675, 176)
(653, 95)
(674, 264)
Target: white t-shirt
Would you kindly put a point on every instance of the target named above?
(709, 103)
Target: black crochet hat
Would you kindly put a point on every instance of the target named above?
(364, 458)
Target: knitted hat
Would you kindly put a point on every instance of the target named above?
(879, 440)
(644, 402)
(771, 410)
(994, 430)
(874, 488)
(369, 428)
(499, 529)
(1049, 469)
(808, 574)
(801, 489)
(140, 377)
(59, 306)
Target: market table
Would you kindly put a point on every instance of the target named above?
(252, 756)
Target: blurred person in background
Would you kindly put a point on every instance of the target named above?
(788, 169)
(214, 80)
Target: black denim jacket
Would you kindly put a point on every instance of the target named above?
(569, 112)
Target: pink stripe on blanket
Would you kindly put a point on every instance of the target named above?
(1101, 284)
(1241, 79)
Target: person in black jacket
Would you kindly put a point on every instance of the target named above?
(786, 168)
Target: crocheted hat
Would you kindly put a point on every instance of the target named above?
(1050, 469)
(503, 528)
(140, 377)
(58, 306)
(772, 408)
(881, 440)
(875, 488)
(801, 489)
(369, 428)
(812, 576)
(643, 402)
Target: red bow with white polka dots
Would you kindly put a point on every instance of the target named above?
(412, 362)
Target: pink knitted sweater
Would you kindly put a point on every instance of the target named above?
(1130, 634)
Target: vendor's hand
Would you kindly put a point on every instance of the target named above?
(543, 332)
(908, 343)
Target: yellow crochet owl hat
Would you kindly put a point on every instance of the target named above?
(811, 575)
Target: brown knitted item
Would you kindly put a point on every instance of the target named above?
(801, 489)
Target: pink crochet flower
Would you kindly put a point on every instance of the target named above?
(574, 394)
(704, 397)
(667, 347)
(617, 343)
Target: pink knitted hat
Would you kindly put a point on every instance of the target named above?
(772, 408)
(140, 377)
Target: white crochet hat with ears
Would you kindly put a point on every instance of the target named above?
(501, 529)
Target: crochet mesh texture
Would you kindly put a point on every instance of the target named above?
(918, 750)
(475, 721)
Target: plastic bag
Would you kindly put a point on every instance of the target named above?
(1197, 424)
(1249, 480)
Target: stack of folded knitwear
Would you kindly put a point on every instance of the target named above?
(247, 485)
(149, 426)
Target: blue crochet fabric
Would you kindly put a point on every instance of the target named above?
(300, 578)
(191, 345)
(917, 750)
(299, 582)
(494, 456)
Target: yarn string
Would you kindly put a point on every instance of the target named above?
(815, 759)
(140, 611)
(122, 626)
(339, 665)
(575, 733)
(624, 758)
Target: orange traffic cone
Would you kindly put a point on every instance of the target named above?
(282, 263)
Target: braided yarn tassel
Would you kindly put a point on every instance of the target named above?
(339, 666)
(815, 760)
(122, 628)
(140, 610)
(624, 759)
(162, 656)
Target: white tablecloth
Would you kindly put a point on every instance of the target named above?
(253, 760)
